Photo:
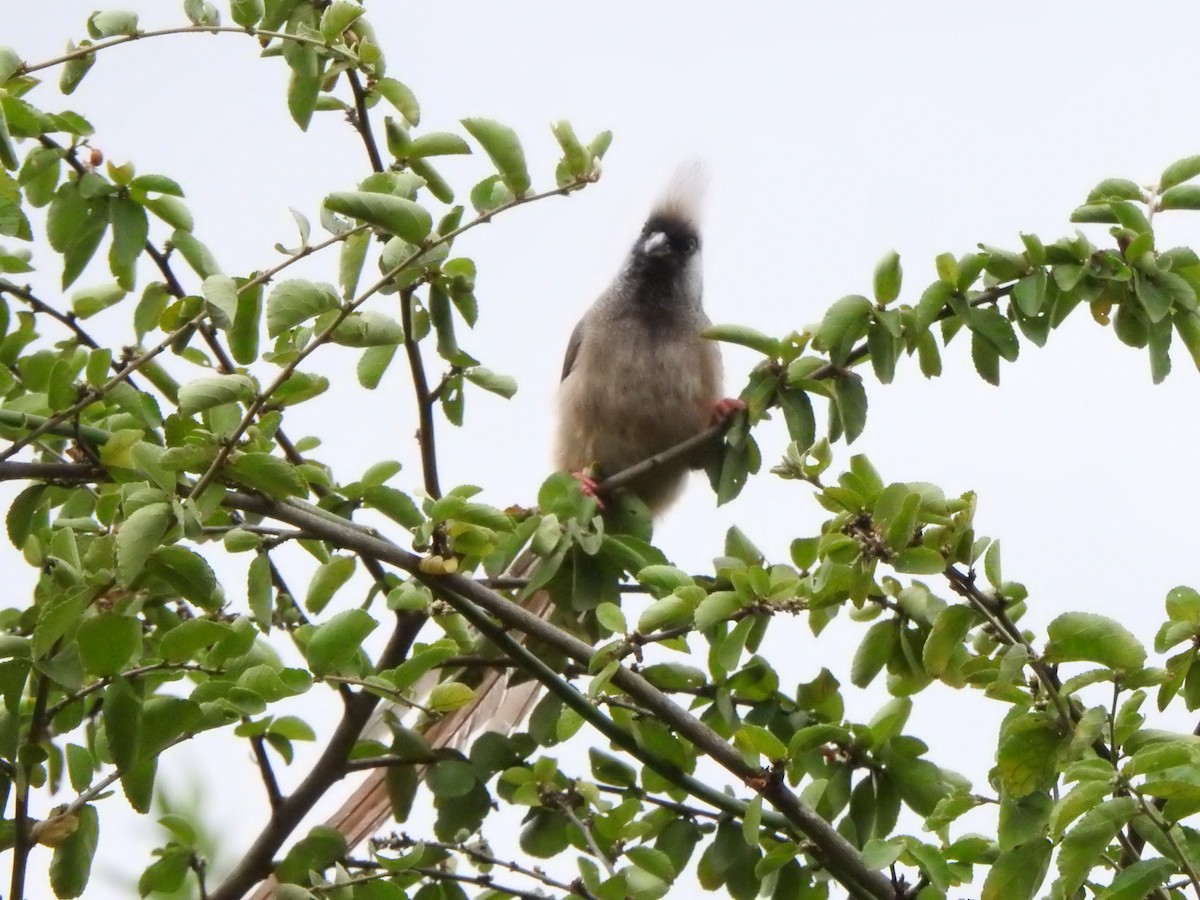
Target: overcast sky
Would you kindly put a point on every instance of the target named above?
(831, 137)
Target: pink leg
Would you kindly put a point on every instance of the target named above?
(589, 486)
(725, 408)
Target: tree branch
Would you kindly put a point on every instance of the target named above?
(22, 825)
(472, 600)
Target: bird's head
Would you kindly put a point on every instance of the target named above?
(665, 258)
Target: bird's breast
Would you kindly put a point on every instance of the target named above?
(633, 394)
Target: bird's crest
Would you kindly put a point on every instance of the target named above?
(684, 197)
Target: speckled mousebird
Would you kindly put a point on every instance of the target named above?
(637, 379)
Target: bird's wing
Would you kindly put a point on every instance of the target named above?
(572, 349)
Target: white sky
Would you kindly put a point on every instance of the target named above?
(832, 134)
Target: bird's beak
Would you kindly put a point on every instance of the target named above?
(656, 244)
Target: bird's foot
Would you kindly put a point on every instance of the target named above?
(726, 407)
(590, 487)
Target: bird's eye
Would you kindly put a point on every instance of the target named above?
(690, 245)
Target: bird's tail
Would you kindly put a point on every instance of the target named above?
(497, 706)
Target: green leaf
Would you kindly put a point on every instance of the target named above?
(214, 390)
(186, 639)
(1084, 844)
(996, 330)
(874, 652)
(201, 12)
(1115, 189)
(1017, 874)
(887, 278)
(668, 612)
(10, 63)
(1155, 301)
(108, 642)
(112, 23)
(844, 323)
(71, 865)
(327, 581)
(353, 255)
(189, 574)
(1178, 172)
(437, 143)
(221, 295)
(1030, 293)
(449, 696)
(130, 227)
(717, 607)
(266, 473)
(919, 561)
(337, 641)
(1183, 605)
(304, 86)
(1094, 638)
(932, 302)
(243, 335)
(400, 97)
(89, 301)
(851, 403)
(369, 328)
(74, 69)
(260, 590)
(949, 630)
(395, 215)
(372, 364)
(743, 336)
(295, 301)
(576, 158)
(75, 226)
(138, 537)
(985, 358)
(1184, 196)
(494, 382)
(504, 147)
(1027, 756)
(761, 741)
(339, 16)
(171, 210)
(1084, 796)
(1138, 881)
(246, 12)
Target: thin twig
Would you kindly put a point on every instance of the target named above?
(70, 320)
(346, 309)
(389, 761)
(425, 432)
(266, 772)
(1007, 632)
(564, 806)
(480, 854)
(141, 359)
(362, 121)
(139, 672)
(25, 69)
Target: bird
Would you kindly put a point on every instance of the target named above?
(638, 378)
